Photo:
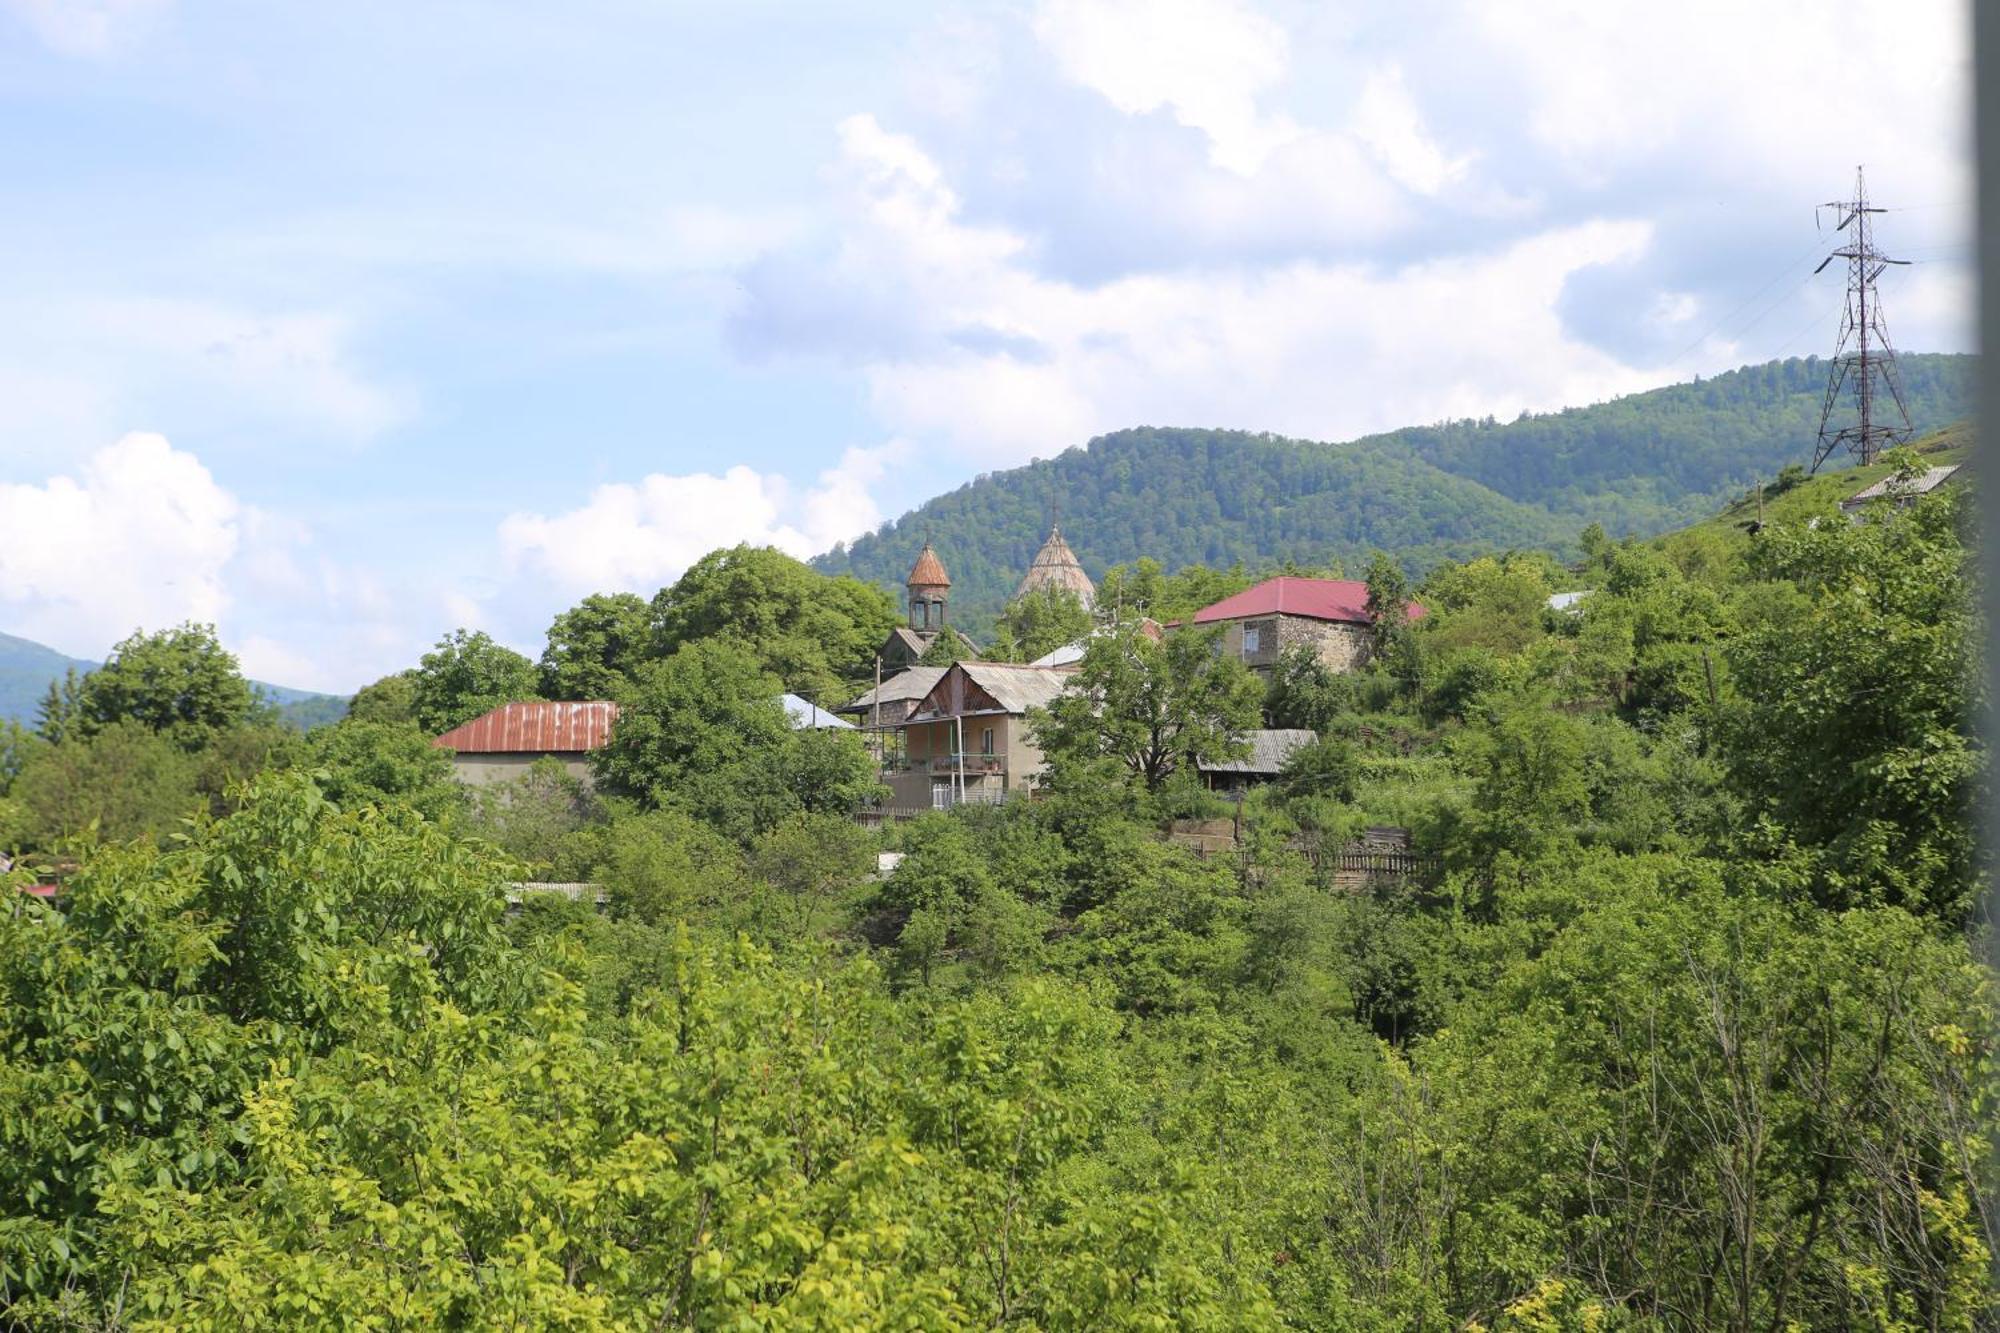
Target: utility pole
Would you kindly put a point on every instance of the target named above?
(1864, 363)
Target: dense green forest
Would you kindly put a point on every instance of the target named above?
(1677, 1021)
(1637, 465)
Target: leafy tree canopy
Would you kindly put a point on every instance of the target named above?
(595, 647)
(180, 683)
(1153, 706)
(812, 632)
(468, 674)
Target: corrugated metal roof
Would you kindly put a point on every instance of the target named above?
(1014, 687)
(1930, 481)
(1017, 688)
(803, 715)
(1268, 751)
(1287, 595)
(928, 572)
(535, 727)
(913, 683)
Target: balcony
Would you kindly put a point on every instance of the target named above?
(948, 765)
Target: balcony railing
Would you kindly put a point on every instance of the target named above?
(972, 765)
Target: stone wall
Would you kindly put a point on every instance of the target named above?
(1343, 647)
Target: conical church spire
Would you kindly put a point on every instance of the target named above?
(1056, 566)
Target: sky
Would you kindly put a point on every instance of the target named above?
(339, 326)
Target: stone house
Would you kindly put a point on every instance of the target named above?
(1261, 622)
(966, 741)
(503, 744)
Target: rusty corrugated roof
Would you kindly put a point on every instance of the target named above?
(534, 728)
(928, 572)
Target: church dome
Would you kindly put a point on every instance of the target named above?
(1056, 566)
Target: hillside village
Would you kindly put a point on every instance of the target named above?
(946, 735)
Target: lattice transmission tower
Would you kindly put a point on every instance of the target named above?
(1864, 362)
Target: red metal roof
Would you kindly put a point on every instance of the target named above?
(1287, 595)
(534, 728)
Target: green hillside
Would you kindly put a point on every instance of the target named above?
(27, 668)
(1642, 464)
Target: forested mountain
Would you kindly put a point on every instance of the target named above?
(1637, 465)
(27, 669)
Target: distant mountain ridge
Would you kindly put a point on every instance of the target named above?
(1638, 465)
(27, 668)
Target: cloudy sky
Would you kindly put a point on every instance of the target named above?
(340, 325)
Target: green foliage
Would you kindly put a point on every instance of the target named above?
(392, 699)
(811, 632)
(1855, 735)
(544, 818)
(124, 781)
(1039, 621)
(1305, 692)
(595, 647)
(180, 683)
(359, 764)
(468, 674)
(1144, 588)
(1152, 706)
(705, 710)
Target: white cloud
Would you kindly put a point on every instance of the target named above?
(638, 537)
(1206, 60)
(1388, 121)
(140, 536)
(91, 28)
(1752, 92)
(108, 359)
(1006, 363)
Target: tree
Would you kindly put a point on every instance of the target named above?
(57, 715)
(359, 764)
(180, 683)
(595, 647)
(810, 859)
(123, 781)
(543, 817)
(391, 699)
(468, 674)
(1153, 706)
(695, 719)
(812, 632)
(1039, 621)
(1305, 692)
(1388, 611)
(1856, 735)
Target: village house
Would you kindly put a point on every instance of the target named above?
(505, 743)
(1331, 615)
(966, 741)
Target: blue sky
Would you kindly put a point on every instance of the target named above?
(342, 325)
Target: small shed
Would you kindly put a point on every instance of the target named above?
(1270, 749)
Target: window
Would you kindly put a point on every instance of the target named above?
(1253, 639)
(986, 740)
